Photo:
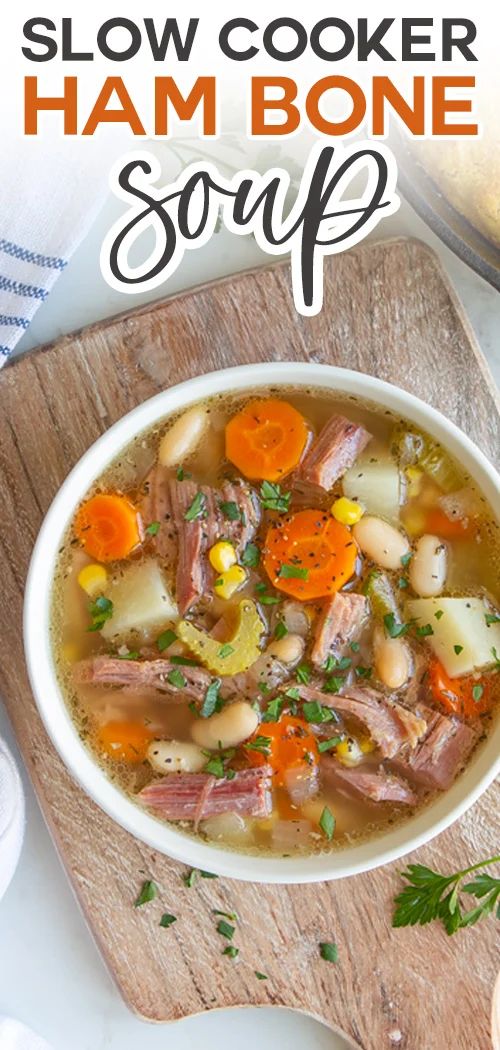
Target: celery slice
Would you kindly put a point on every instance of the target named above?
(416, 449)
(244, 644)
(378, 589)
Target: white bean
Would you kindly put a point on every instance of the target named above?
(295, 618)
(228, 728)
(227, 827)
(288, 650)
(182, 438)
(381, 542)
(174, 756)
(428, 567)
(392, 659)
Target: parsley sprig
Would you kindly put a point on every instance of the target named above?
(272, 498)
(101, 610)
(430, 895)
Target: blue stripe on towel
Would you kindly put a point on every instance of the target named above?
(30, 291)
(50, 262)
(14, 322)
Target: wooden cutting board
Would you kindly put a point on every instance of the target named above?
(389, 311)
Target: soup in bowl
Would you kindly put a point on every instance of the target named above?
(262, 622)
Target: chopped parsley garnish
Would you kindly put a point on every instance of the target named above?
(167, 920)
(327, 745)
(230, 510)
(211, 699)
(292, 572)
(264, 688)
(293, 692)
(215, 766)
(197, 508)
(355, 647)
(273, 710)
(153, 529)
(439, 614)
(393, 628)
(405, 559)
(225, 650)
(332, 663)
(261, 976)
(477, 692)
(281, 630)
(495, 657)
(250, 556)
(262, 744)
(225, 929)
(314, 712)
(424, 631)
(269, 599)
(231, 915)
(327, 823)
(491, 618)
(363, 672)
(184, 661)
(176, 678)
(402, 583)
(303, 674)
(190, 877)
(181, 474)
(131, 654)
(148, 893)
(100, 611)
(165, 640)
(231, 951)
(333, 684)
(272, 498)
(329, 951)
(458, 649)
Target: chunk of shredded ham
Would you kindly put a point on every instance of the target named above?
(194, 796)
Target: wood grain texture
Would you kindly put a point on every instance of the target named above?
(389, 311)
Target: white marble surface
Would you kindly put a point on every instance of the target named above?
(51, 975)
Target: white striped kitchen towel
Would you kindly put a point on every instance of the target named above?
(50, 192)
(15, 1036)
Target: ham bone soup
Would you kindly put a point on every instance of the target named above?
(276, 620)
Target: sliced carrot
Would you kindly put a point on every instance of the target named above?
(108, 527)
(439, 524)
(291, 744)
(309, 555)
(266, 439)
(125, 741)
(468, 696)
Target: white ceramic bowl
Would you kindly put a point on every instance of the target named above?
(165, 838)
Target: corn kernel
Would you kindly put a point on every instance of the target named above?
(230, 581)
(222, 556)
(93, 579)
(349, 752)
(347, 511)
(414, 521)
(366, 744)
(414, 478)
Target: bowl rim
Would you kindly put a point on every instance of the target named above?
(363, 856)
